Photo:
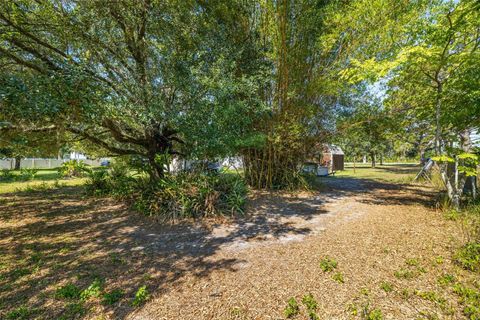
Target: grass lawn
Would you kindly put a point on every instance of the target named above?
(44, 179)
(395, 173)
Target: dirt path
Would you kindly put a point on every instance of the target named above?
(370, 228)
(243, 269)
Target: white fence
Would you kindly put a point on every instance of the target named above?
(38, 163)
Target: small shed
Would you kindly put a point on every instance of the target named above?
(326, 159)
(333, 158)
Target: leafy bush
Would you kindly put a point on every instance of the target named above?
(192, 195)
(73, 168)
(184, 195)
(6, 175)
(28, 174)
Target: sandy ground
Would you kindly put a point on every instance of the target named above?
(371, 229)
(242, 269)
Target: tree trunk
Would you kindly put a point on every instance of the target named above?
(354, 164)
(438, 130)
(156, 170)
(381, 159)
(372, 155)
(18, 160)
(455, 187)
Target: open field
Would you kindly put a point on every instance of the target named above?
(365, 247)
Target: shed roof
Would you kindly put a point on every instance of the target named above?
(333, 149)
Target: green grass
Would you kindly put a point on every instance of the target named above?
(43, 179)
(395, 173)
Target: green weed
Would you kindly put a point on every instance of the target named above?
(338, 277)
(68, 291)
(110, 298)
(73, 310)
(141, 296)
(292, 308)
(386, 286)
(94, 290)
(20, 313)
(328, 264)
(470, 298)
(446, 279)
(468, 257)
(412, 262)
(405, 274)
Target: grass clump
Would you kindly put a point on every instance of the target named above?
(412, 262)
(328, 264)
(292, 309)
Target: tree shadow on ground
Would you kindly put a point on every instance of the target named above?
(377, 192)
(55, 237)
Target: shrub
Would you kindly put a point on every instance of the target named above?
(97, 183)
(73, 168)
(28, 174)
(184, 195)
(327, 264)
(6, 175)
